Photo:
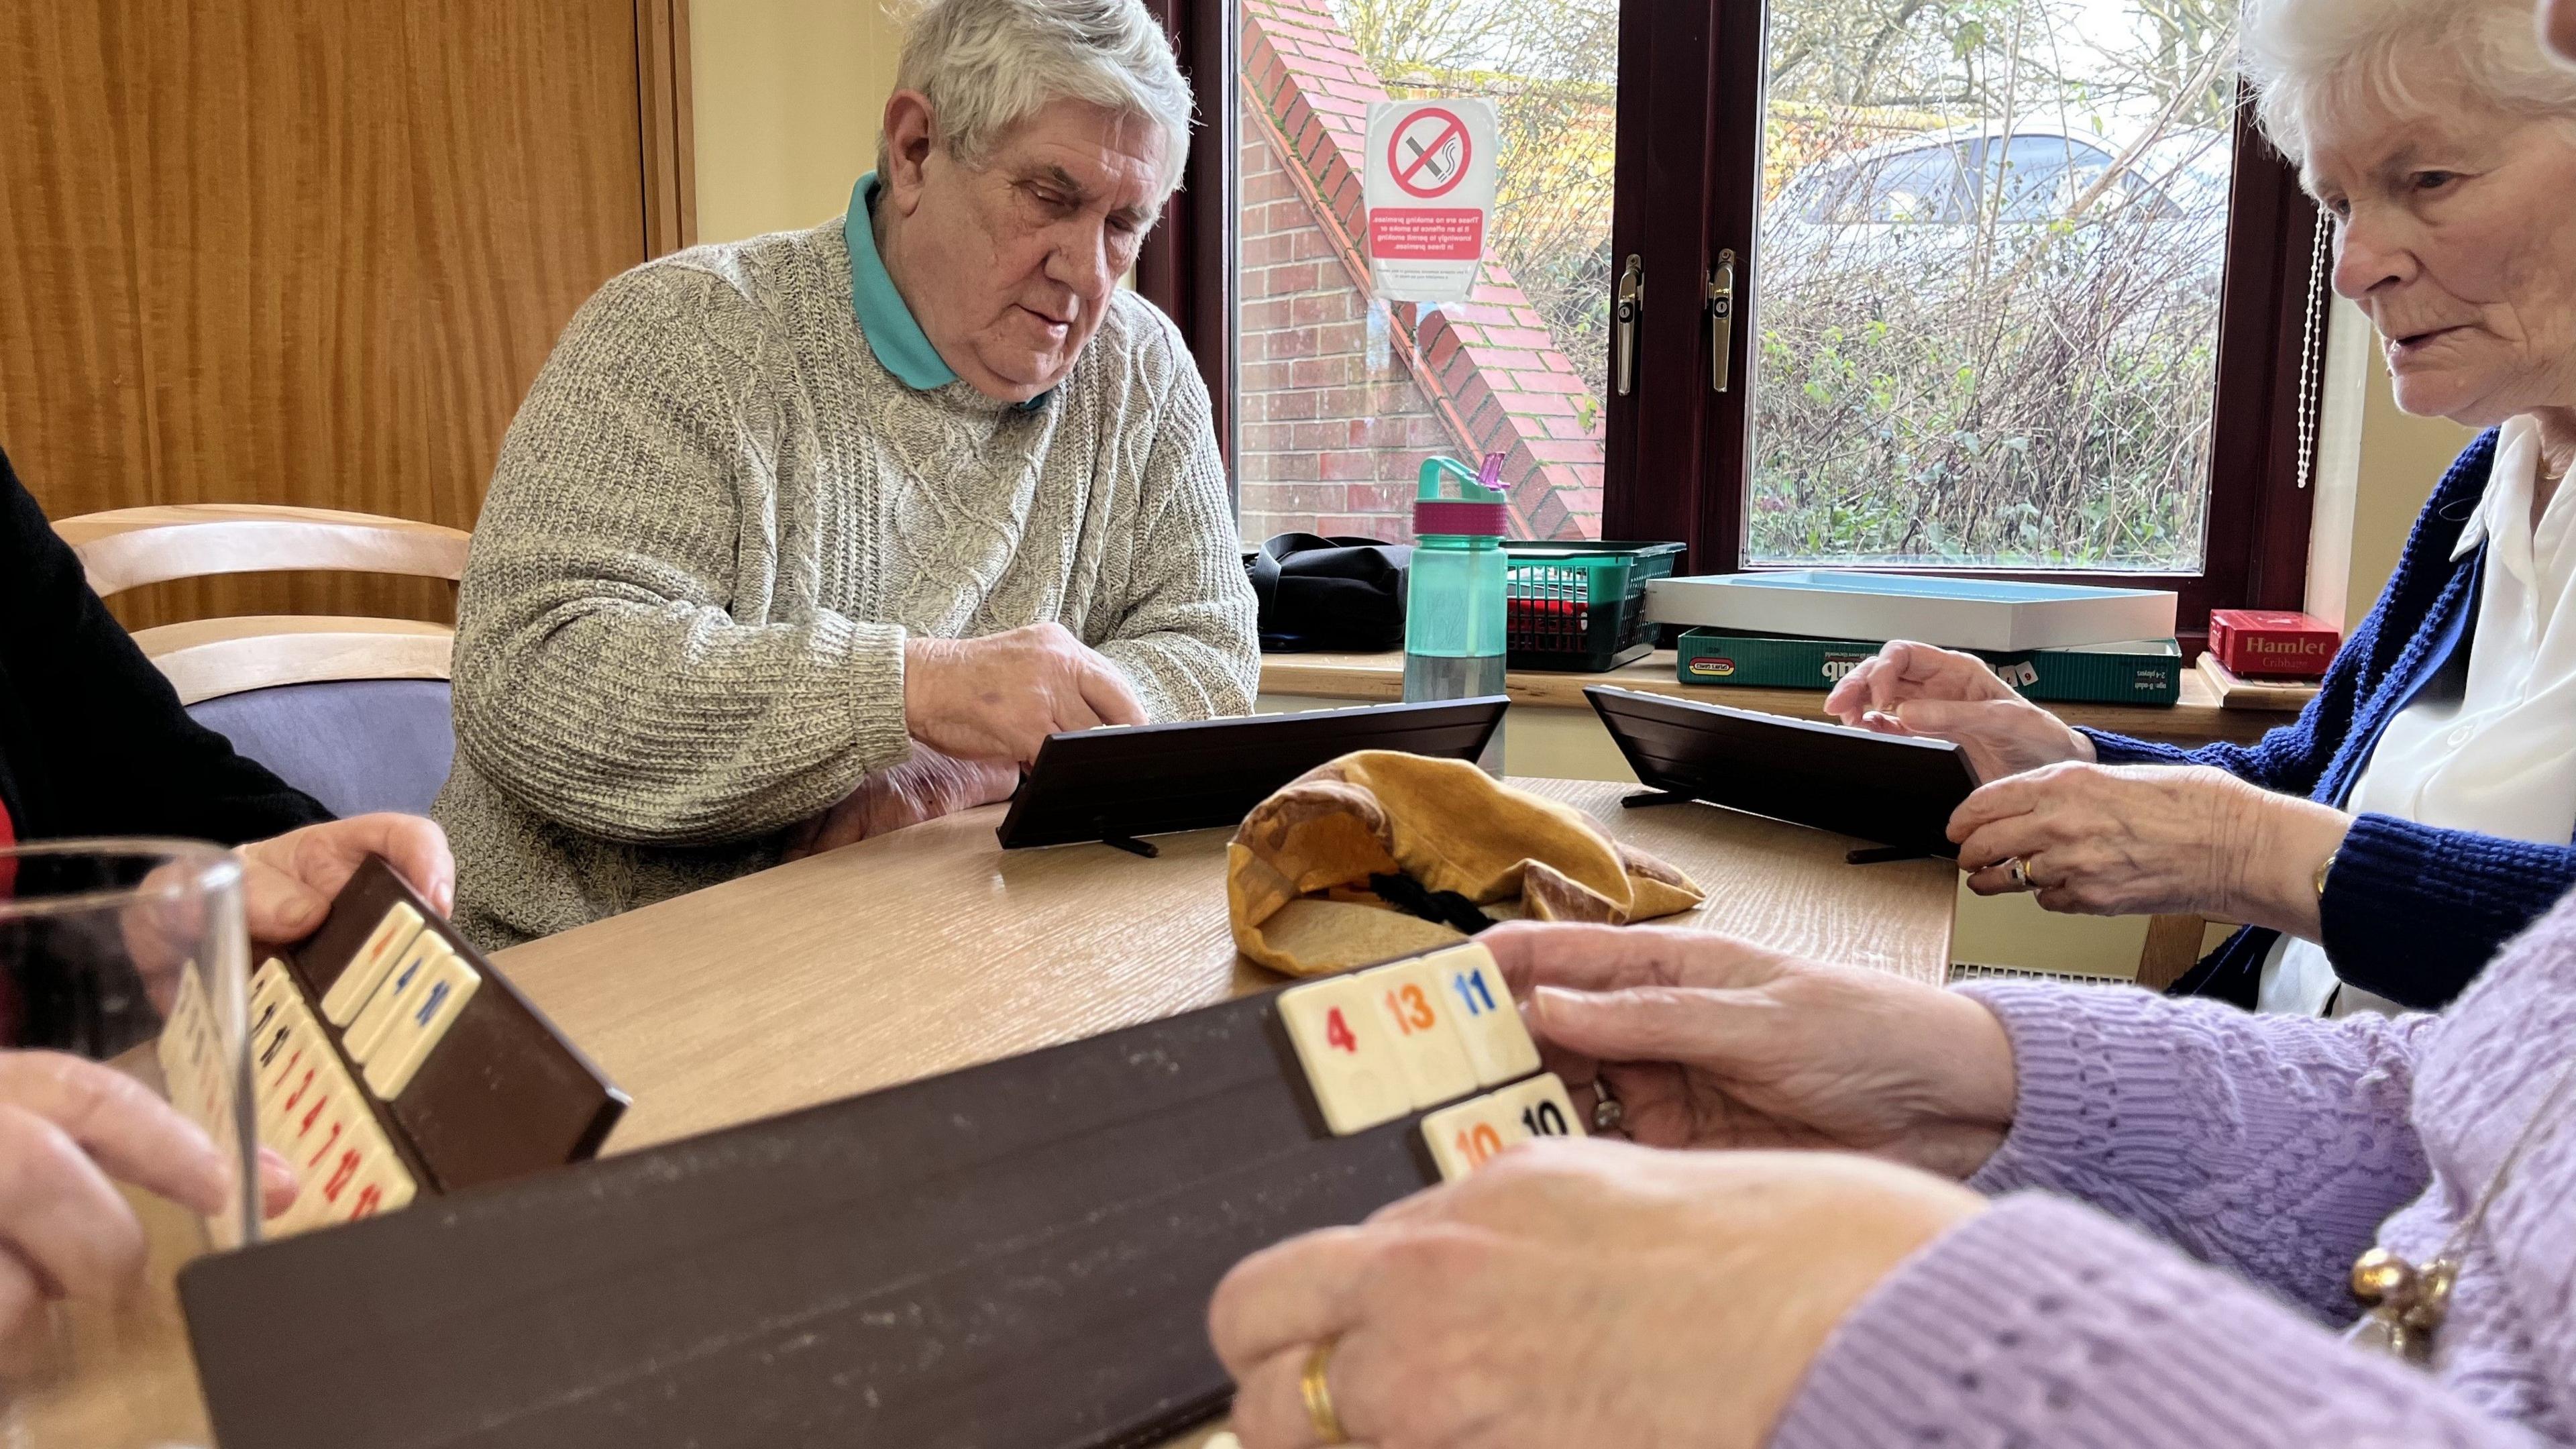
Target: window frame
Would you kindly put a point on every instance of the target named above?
(1690, 121)
(1186, 264)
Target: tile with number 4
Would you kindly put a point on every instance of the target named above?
(1423, 1025)
(1481, 1005)
(1348, 1053)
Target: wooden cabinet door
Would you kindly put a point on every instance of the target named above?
(307, 251)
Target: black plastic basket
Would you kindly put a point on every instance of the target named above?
(1578, 606)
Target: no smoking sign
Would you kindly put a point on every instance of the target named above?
(1430, 195)
(1428, 156)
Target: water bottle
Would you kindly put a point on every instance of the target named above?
(1454, 610)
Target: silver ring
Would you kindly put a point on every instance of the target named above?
(1607, 1114)
(2020, 874)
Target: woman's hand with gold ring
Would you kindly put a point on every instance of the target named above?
(1549, 1300)
(1315, 1386)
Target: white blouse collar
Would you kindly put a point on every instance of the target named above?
(2505, 513)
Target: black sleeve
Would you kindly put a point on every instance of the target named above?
(92, 738)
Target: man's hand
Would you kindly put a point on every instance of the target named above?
(68, 1129)
(999, 697)
(924, 787)
(288, 880)
(1915, 689)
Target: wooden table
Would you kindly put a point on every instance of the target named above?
(1377, 678)
(933, 949)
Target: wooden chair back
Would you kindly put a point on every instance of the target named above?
(210, 658)
(127, 548)
(352, 711)
(2173, 947)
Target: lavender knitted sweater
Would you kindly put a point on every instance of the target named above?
(2273, 1150)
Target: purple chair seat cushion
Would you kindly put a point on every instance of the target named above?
(356, 745)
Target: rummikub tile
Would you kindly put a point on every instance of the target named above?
(1423, 1027)
(450, 985)
(381, 1186)
(1467, 1136)
(1542, 1107)
(1490, 1025)
(379, 1017)
(1348, 1053)
(368, 969)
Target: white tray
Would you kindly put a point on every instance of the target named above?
(1953, 613)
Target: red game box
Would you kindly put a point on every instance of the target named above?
(2271, 642)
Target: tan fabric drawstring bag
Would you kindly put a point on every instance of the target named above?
(1380, 854)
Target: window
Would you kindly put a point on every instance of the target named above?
(2016, 289)
(1339, 395)
(2001, 349)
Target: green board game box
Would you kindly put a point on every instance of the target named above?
(2148, 671)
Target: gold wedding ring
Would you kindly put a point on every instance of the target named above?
(1319, 1394)
(2020, 873)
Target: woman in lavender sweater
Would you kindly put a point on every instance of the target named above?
(2162, 1204)
(2041, 1216)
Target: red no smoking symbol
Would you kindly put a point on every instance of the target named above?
(1429, 154)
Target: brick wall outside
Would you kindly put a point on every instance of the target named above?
(1340, 402)
(1331, 425)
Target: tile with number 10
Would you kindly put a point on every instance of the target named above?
(1471, 1134)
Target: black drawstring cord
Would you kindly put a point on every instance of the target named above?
(1446, 907)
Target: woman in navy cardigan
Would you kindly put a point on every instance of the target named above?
(2408, 912)
(2420, 812)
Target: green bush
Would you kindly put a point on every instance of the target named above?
(2057, 417)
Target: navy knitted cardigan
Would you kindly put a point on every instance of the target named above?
(2410, 912)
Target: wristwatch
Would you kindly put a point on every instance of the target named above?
(2323, 866)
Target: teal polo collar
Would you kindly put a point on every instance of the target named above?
(892, 334)
(897, 340)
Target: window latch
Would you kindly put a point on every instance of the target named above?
(1721, 318)
(1632, 307)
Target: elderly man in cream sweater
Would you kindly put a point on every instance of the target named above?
(800, 539)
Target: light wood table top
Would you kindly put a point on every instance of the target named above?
(1379, 678)
(934, 949)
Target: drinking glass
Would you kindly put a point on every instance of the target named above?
(131, 953)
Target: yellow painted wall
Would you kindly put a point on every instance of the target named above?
(786, 96)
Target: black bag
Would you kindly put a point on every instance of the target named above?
(1330, 593)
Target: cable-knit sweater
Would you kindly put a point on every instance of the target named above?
(2275, 1149)
(715, 522)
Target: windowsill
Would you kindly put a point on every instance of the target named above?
(1379, 678)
